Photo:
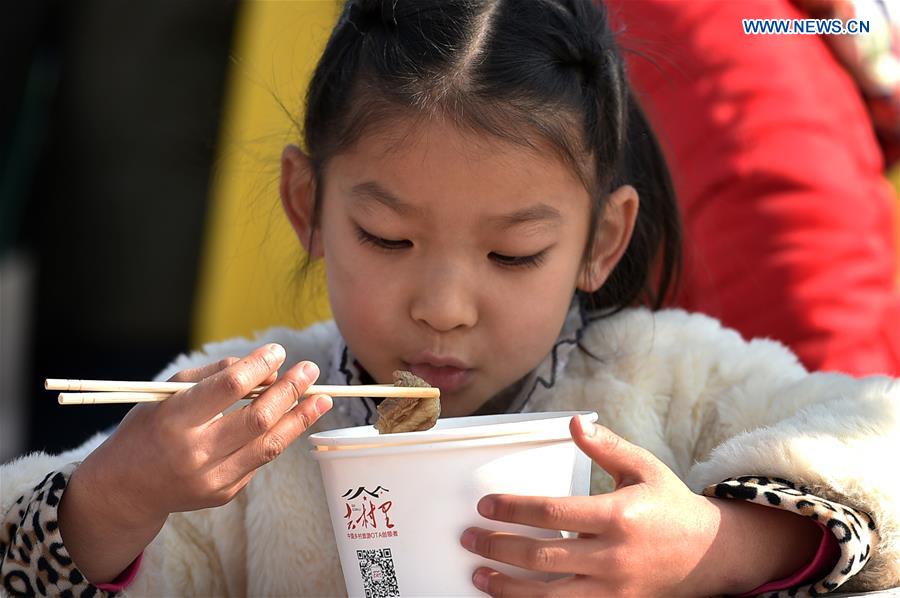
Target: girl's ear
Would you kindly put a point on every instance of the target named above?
(298, 198)
(611, 238)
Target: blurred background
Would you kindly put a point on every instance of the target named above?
(132, 138)
(139, 158)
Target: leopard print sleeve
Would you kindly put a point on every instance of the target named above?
(33, 559)
(855, 531)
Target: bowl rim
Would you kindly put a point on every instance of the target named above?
(543, 424)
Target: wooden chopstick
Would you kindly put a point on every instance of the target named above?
(115, 391)
(111, 397)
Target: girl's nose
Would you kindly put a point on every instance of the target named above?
(445, 300)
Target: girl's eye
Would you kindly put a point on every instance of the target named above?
(525, 261)
(367, 238)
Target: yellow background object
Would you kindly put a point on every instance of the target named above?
(251, 257)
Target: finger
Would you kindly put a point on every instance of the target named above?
(273, 443)
(205, 371)
(627, 463)
(588, 514)
(500, 585)
(216, 393)
(202, 372)
(229, 433)
(199, 373)
(551, 555)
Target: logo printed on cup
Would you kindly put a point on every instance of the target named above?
(367, 513)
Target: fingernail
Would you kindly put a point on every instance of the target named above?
(480, 579)
(486, 506)
(276, 350)
(587, 426)
(311, 371)
(468, 540)
(323, 404)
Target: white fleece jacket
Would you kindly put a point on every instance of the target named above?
(707, 403)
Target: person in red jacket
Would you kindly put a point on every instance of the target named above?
(788, 219)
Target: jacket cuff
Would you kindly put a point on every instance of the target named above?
(33, 558)
(854, 531)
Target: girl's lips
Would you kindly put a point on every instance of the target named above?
(448, 378)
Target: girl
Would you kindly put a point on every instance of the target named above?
(489, 203)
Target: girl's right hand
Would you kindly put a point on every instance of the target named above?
(183, 454)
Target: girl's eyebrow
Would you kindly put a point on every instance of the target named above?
(536, 213)
(370, 190)
(539, 212)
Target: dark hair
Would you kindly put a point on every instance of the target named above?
(536, 72)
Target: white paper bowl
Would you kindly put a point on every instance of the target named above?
(400, 502)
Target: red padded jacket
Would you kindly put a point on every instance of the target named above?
(788, 220)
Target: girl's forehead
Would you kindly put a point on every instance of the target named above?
(433, 158)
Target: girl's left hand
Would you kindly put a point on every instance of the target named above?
(651, 536)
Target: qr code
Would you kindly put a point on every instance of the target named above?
(377, 569)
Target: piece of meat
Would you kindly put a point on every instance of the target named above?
(407, 415)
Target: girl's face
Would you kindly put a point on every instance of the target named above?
(450, 255)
